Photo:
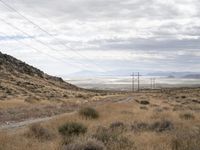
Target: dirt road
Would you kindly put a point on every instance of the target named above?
(16, 125)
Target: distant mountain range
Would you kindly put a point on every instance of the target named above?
(88, 73)
(193, 76)
(175, 74)
(169, 74)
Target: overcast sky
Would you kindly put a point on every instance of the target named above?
(103, 35)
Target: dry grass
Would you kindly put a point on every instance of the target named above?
(18, 110)
(89, 113)
(124, 126)
(39, 132)
(12, 104)
(85, 144)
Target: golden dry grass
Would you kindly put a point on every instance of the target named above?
(162, 107)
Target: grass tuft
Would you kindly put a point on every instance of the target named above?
(163, 125)
(39, 132)
(89, 113)
(117, 125)
(113, 139)
(72, 128)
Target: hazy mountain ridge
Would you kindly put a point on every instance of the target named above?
(189, 75)
(170, 74)
(192, 76)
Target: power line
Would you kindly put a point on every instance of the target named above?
(39, 51)
(30, 36)
(46, 18)
(43, 30)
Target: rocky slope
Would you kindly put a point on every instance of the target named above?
(20, 80)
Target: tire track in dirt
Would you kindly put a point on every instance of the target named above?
(17, 125)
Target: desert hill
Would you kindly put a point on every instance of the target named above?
(20, 80)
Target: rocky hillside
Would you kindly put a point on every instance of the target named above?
(20, 80)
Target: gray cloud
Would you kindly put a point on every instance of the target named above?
(150, 44)
(121, 30)
(95, 9)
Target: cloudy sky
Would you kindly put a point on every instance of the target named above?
(65, 36)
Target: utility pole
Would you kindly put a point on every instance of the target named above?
(133, 84)
(133, 81)
(154, 83)
(138, 81)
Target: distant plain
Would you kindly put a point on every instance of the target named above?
(124, 82)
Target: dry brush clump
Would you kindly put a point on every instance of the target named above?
(186, 140)
(39, 132)
(118, 125)
(89, 113)
(187, 116)
(183, 96)
(114, 139)
(140, 126)
(82, 95)
(85, 144)
(163, 125)
(157, 126)
(105, 135)
(143, 107)
(144, 102)
(72, 129)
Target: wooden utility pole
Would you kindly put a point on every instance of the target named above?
(154, 83)
(138, 81)
(133, 82)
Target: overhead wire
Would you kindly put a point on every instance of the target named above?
(30, 36)
(49, 34)
(39, 51)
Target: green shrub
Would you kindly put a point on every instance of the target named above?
(89, 112)
(72, 128)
